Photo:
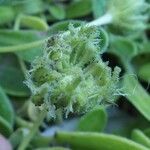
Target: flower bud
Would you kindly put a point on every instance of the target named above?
(71, 75)
(129, 14)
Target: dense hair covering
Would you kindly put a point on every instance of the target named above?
(71, 75)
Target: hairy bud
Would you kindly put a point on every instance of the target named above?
(71, 75)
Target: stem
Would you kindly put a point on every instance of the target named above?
(17, 23)
(105, 19)
(21, 46)
(26, 140)
(22, 65)
(128, 67)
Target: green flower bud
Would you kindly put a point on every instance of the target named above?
(71, 75)
(129, 14)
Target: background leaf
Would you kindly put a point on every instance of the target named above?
(6, 114)
(137, 95)
(94, 121)
(10, 38)
(78, 8)
(144, 72)
(11, 76)
(98, 7)
(57, 11)
(97, 141)
(139, 137)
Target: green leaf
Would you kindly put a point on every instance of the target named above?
(137, 95)
(6, 114)
(95, 120)
(98, 7)
(139, 137)
(28, 44)
(147, 132)
(33, 22)
(144, 72)
(123, 47)
(145, 47)
(11, 79)
(27, 7)
(11, 76)
(6, 14)
(96, 141)
(57, 11)
(78, 8)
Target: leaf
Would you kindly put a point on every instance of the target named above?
(96, 141)
(33, 22)
(94, 121)
(11, 76)
(6, 14)
(140, 60)
(139, 137)
(122, 123)
(78, 8)
(11, 79)
(123, 47)
(6, 114)
(147, 132)
(144, 72)
(137, 95)
(28, 44)
(27, 7)
(145, 47)
(57, 11)
(98, 7)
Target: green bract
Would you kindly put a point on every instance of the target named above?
(71, 75)
(129, 14)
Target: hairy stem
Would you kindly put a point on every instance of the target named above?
(105, 19)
